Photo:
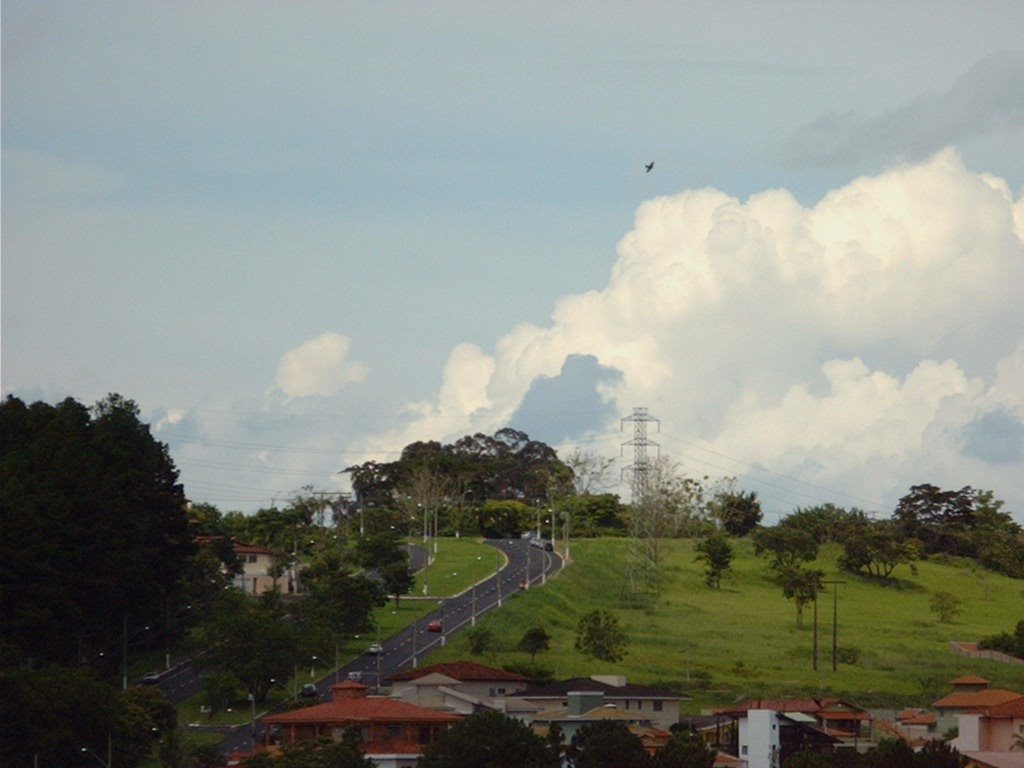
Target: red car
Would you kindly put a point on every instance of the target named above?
(433, 626)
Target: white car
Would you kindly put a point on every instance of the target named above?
(376, 649)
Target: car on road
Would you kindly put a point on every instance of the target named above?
(309, 691)
(151, 678)
(376, 649)
(434, 626)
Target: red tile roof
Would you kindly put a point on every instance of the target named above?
(1012, 709)
(990, 697)
(372, 709)
(463, 671)
(969, 680)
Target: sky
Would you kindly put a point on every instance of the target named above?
(301, 236)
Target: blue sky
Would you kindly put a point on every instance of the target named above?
(303, 235)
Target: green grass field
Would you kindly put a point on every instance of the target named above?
(742, 640)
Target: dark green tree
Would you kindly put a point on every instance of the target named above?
(806, 759)
(488, 740)
(685, 749)
(599, 634)
(787, 546)
(93, 531)
(252, 639)
(876, 548)
(333, 601)
(535, 640)
(607, 744)
(801, 585)
(398, 579)
(480, 639)
(716, 554)
(739, 512)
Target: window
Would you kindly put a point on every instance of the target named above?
(394, 732)
(251, 558)
(657, 706)
(424, 734)
(627, 703)
(743, 749)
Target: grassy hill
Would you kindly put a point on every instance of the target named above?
(742, 639)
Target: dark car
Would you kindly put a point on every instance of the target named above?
(309, 691)
(151, 678)
(434, 626)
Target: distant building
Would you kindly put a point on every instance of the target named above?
(655, 705)
(394, 733)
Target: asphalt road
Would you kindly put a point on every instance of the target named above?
(405, 649)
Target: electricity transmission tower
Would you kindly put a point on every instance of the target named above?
(642, 572)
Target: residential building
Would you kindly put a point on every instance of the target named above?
(971, 695)
(469, 679)
(394, 732)
(656, 705)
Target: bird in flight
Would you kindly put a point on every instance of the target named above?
(649, 167)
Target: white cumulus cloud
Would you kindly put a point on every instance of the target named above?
(848, 344)
(319, 367)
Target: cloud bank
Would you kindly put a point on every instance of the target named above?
(988, 98)
(320, 367)
(872, 341)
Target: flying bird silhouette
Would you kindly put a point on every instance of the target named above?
(649, 166)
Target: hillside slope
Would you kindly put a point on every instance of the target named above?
(742, 640)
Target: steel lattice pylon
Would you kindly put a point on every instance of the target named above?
(640, 470)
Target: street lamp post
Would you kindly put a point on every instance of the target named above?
(312, 667)
(252, 722)
(100, 760)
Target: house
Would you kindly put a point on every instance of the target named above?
(257, 564)
(834, 717)
(583, 708)
(997, 728)
(394, 733)
(767, 738)
(971, 695)
(429, 686)
(656, 705)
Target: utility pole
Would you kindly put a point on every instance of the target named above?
(835, 622)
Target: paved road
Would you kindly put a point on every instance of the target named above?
(407, 648)
(184, 681)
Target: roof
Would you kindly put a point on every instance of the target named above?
(1011, 709)
(463, 671)
(371, 709)
(969, 680)
(990, 697)
(604, 712)
(562, 688)
(827, 709)
(996, 759)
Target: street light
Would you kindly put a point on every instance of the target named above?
(312, 667)
(252, 722)
(98, 758)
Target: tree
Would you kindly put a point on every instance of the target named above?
(788, 546)
(607, 744)
(598, 634)
(946, 606)
(219, 691)
(685, 749)
(334, 601)
(591, 472)
(739, 512)
(806, 759)
(534, 641)
(93, 532)
(317, 754)
(480, 639)
(252, 639)
(941, 520)
(801, 586)
(488, 740)
(716, 554)
(877, 549)
(398, 579)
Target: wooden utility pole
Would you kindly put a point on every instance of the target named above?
(835, 621)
